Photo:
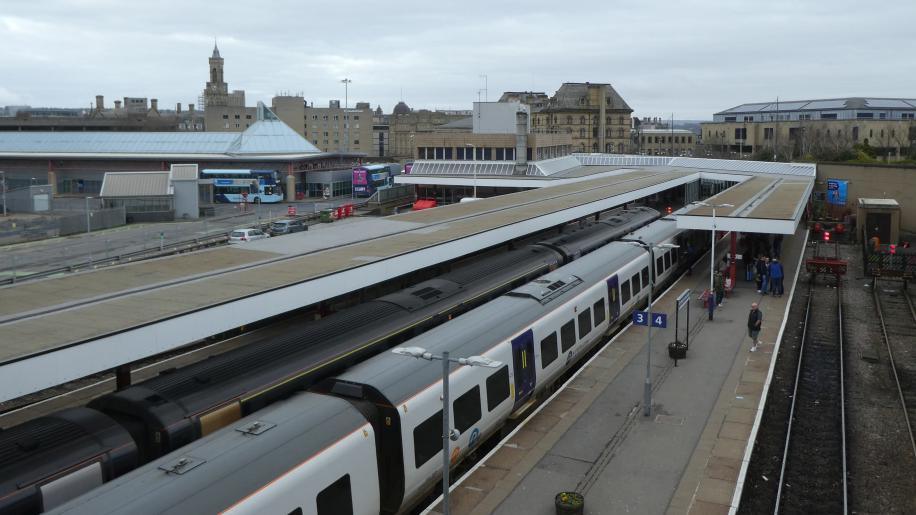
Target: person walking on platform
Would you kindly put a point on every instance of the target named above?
(754, 319)
(718, 285)
(776, 276)
(762, 270)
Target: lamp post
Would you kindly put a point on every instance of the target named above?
(712, 246)
(447, 433)
(3, 188)
(473, 158)
(649, 247)
(88, 215)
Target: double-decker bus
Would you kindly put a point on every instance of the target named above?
(257, 186)
(367, 179)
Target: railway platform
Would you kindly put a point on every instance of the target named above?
(688, 457)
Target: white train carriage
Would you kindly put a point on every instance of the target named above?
(537, 331)
(310, 454)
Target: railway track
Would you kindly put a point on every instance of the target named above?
(813, 474)
(898, 327)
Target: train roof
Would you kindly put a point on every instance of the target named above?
(398, 377)
(230, 464)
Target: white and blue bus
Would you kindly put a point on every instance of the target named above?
(256, 186)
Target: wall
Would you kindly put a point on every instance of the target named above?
(875, 181)
(497, 117)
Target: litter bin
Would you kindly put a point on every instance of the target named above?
(677, 350)
(569, 503)
(326, 216)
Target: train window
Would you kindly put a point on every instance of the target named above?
(497, 391)
(659, 266)
(674, 254)
(549, 350)
(599, 312)
(467, 409)
(568, 335)
(667, 260)
(635, 280)
(336, 499)
(645, 275)
(585, 322)
(427, 439)
(625, 292)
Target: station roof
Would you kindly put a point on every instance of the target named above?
(267, 136)
(831, 104)
(63, 328)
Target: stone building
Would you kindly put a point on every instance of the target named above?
(664, 142)
(224, 110)
(819, 128)
(405, 124)
(131, 114)
(594, 115)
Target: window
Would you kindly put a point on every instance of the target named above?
(568, 335)
(645, 275)
(336, 499)
(585, 322)
(865, 115)
(497, 391)
(767, 133)
(635, 281)
(855, 134)
(674, 254)
(599, 312)
(804, 117)
(741, 133)
(247, 116)
(625, 292)
(548, 350)
(237, 117)
(731, 118)
(667, 260)
(427, 439)
(467, 409)
(659, 266)
(828, 116)
(356, 142)
(907, 116)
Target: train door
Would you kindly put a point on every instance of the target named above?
(613, 297)
(523, 365)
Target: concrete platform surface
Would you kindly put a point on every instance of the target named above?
(592, 436)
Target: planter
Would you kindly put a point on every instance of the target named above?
(569, 503)
(677, 350)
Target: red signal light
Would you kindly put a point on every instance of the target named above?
(893, 248)
(826, 235)
(668, 210)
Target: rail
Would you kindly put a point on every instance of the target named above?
(817, 400)
(898, 334)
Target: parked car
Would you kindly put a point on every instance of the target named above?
(243, 235)
(286, 226)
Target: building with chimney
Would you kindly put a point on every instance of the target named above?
(593, 114)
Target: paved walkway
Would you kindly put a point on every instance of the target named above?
(593, 437)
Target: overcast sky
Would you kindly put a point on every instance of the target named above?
(687, 57)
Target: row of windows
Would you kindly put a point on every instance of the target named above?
(237, 117)
(583, 120)
(661, 139)
(549, 351)
(427, 436)
(634, 285)
(821, 116)
(336, 126)
(467, 154)
(336, 499)
(335, 117)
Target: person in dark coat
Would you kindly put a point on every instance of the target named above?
(761, 274)
(754, 320)
(719, 287)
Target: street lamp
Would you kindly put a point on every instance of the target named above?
(473, 158)
(88, 214)
(447, 434)
(650, 247)
(712, 247)
(3, 188)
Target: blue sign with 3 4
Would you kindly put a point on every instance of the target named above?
(659, 320)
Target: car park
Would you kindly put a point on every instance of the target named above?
(245, 235)
(287, 226)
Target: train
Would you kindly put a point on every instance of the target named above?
(366, 441)
(49, 460)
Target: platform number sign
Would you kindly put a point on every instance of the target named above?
(659, 320)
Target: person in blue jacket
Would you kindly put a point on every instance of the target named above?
(776, 276)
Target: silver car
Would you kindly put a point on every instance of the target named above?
(243, 235)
